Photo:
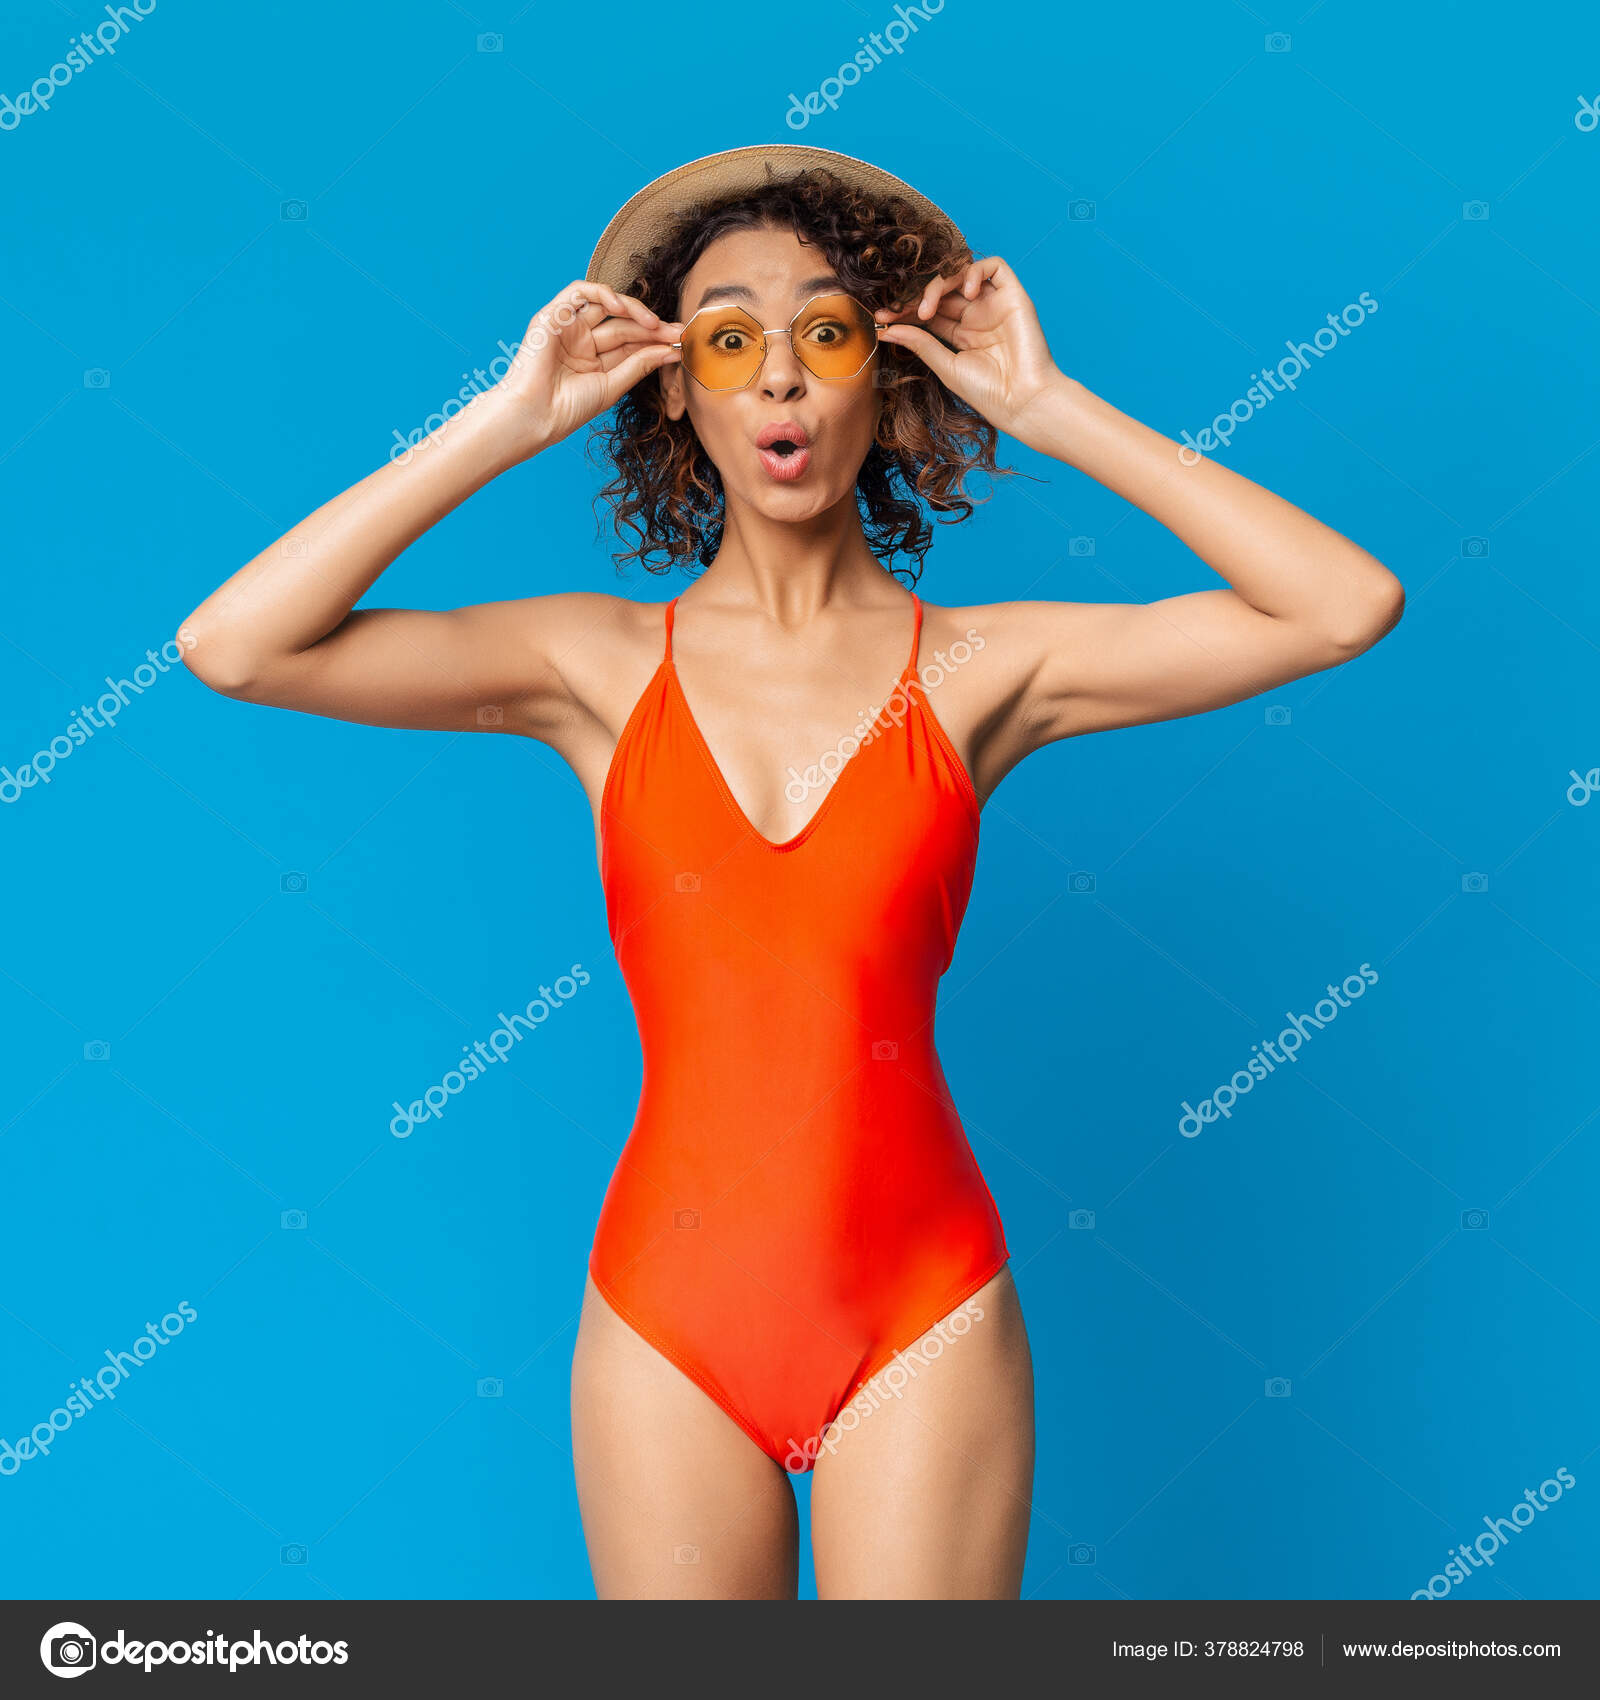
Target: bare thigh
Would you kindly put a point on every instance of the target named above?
(927, 1495)
(678, 1503)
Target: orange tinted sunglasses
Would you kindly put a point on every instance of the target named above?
(833, 336)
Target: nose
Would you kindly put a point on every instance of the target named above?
(782, 377)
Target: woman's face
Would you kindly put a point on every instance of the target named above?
(770, 275)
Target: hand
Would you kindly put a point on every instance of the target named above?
(581, 355)
(1000, 363)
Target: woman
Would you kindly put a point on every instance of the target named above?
(798, 1265)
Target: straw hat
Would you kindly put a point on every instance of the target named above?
(653, 213)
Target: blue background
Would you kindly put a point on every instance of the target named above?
(327, 1394)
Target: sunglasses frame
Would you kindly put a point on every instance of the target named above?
(783, 330)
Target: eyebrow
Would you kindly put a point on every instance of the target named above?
(739, 292)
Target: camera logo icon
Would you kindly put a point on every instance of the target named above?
(1080, 546)
(1081, 883)
(1277, 1387)
(295, 1554)
(97, 378)
(686, 1555)
(1475, 211)
(293, 212)
(1277, 715)
(1474, 1220)
(1474, 548)
(490, 715)
(491, 43)
(1475, 882)
(295, 548)
(295, 1219)
(1081, 1219)
(686, 882)
(885, 1050)
(491, 1387)
(1081, 211)
(686, 1218)
(67, 1649)
(1080, 1552)
(97, 1050)
(292, 883)
(1277, 42)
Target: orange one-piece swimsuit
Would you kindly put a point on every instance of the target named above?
(797, 1202)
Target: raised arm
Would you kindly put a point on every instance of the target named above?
(1298, 596)
(281, 630)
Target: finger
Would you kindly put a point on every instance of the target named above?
(599, 315)
(645, 315)
(978, 272)
(991, 271)
(614, 333)
(563, 311)
(626, 316)
(925, 305)
(1000, 276)
(968, 288)
(960, 308)
(621, 306)
(910, 313)
(934, 355)
(975, 302)
(961, 320)
(616, 340)
(586, 303)
(621, 377)
(935, 292)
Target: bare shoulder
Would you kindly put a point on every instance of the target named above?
(1013, 637)
(996, 662)
(571, 618)
(1012, 621)
(597, 648)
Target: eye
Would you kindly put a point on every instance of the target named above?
(836, 329)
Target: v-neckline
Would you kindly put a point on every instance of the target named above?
(868, 742)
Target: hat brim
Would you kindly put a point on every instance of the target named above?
(650, 216)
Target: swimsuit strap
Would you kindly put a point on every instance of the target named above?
(916, 636)
(670, 607)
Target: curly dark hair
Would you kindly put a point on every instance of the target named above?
(666, 489)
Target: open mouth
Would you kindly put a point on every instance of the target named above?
(785, 451)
